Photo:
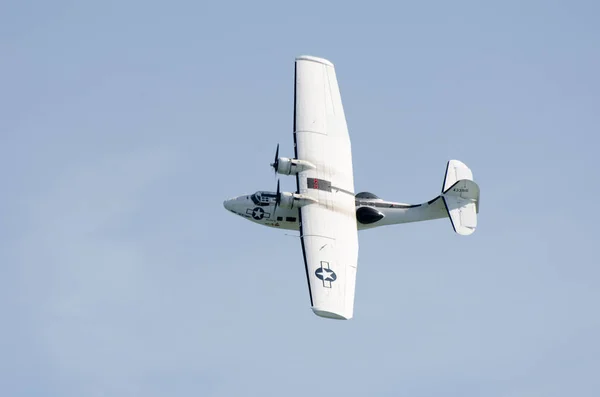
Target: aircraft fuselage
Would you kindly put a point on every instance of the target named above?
(371, 211)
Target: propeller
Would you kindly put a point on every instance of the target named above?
(275, 164)
(277, 198)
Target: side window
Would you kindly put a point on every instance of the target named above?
(279, 218)
(290, 219)
(264, 201)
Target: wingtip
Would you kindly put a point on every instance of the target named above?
(331, 315)
(314, 59)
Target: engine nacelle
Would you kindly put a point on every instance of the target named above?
(287, 166)
(294, 200)
(367, 215)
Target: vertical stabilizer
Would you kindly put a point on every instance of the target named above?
(461, 197)
(455, 171)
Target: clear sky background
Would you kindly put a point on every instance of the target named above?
(125, 124)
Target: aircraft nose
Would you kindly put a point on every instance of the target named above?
(227, 204)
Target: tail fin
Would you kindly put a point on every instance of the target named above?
(461, 197)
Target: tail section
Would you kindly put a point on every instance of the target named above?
(461, 197)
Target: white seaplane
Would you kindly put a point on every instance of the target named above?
(325, 209)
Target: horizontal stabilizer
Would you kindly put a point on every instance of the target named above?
(462, 203)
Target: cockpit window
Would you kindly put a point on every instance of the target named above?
(263, 198)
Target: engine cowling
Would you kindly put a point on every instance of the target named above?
(288, 166)
(284, 166)
(294, 200)
(367, 215)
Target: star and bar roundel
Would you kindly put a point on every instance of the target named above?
(258, 213)
(325, 274)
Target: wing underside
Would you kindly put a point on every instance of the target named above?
(328, 228)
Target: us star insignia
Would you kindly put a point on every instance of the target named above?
(325, 274)
(257, 213)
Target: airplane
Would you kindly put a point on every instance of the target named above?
(325, 208)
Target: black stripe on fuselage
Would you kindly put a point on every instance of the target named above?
(433, 200)
(379, 204)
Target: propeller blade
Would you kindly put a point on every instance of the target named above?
(277, 198)
(275, 164)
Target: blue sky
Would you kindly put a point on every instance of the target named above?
(125, 124)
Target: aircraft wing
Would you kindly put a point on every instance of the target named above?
(328, 228)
